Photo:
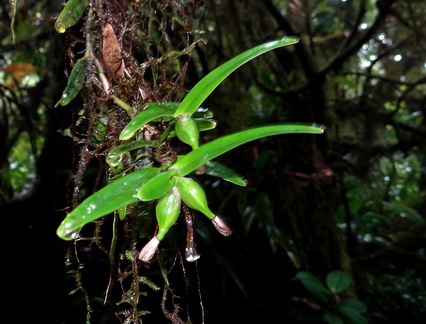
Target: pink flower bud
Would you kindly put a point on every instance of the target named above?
(221, 226)
(149, 249)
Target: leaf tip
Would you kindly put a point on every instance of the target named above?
(295, 39)
(320, 127)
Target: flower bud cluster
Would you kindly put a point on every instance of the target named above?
(168, 208)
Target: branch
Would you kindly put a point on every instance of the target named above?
(387, 79)
(418, 130)
(302, 53)
(361, 12)
(340, 58)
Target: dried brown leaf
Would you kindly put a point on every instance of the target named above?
(111, 53)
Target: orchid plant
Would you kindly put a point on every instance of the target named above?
(169, 183)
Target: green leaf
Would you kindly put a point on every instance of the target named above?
(219, 170)
(202, 125)
(353, 314)
(337, 281)
(332, 319)
(115, 156)
(75, 82)
(405, 212)
(313, 284)
(206, 85)
(156, 187)
(202, 113)
(122, 212)
(189, 162)
(71, 14)
(12, 13)
(155, 110)
(354, 304)
(115, 195)
(205, 124)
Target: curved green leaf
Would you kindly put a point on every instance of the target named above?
(202, 125)
(115, 156)
(206, 85)
(115, 195)
(155, 110)
(205, 124)
(337, 281)
(75, 82)
(189, 162)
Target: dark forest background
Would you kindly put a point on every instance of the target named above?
(350, 200)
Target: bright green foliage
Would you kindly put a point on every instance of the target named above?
(207, 84)
(110, 198)
(170, 186)
(213, 149)
(71, 14)
(117, 194)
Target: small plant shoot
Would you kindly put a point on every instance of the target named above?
(171, 184)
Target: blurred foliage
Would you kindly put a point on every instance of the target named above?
(328, 301)
(351, 201)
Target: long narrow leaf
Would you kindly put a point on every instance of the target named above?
(115, 156)
(206, 85)
(189, 162)
(115, 195)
